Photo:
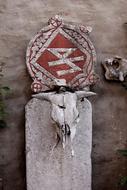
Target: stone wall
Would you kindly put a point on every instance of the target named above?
(19, 22)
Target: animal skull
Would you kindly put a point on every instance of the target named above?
(64, 112)
(116, 68)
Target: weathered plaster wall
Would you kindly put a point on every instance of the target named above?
(19, 21)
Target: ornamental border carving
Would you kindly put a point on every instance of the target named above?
(43, 80)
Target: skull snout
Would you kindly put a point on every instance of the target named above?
(65, 128)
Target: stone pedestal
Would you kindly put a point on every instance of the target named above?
(57, 169)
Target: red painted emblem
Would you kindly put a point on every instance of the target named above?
(61, 54)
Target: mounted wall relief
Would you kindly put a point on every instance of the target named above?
(60, 60)
(115, 68)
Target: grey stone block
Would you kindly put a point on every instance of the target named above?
(57, 169)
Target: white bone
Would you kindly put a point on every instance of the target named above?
(115, 68)
(83, 94)
(65, 113)
(43, 96)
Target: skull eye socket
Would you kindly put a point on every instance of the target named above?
(115, 64)
(62, 107)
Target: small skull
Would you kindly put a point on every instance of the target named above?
(115, 68)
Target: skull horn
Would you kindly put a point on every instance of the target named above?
(83, 94)
(43, 96)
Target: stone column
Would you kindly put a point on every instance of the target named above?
(56, 169)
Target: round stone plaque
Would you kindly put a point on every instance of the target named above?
(61, 54)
